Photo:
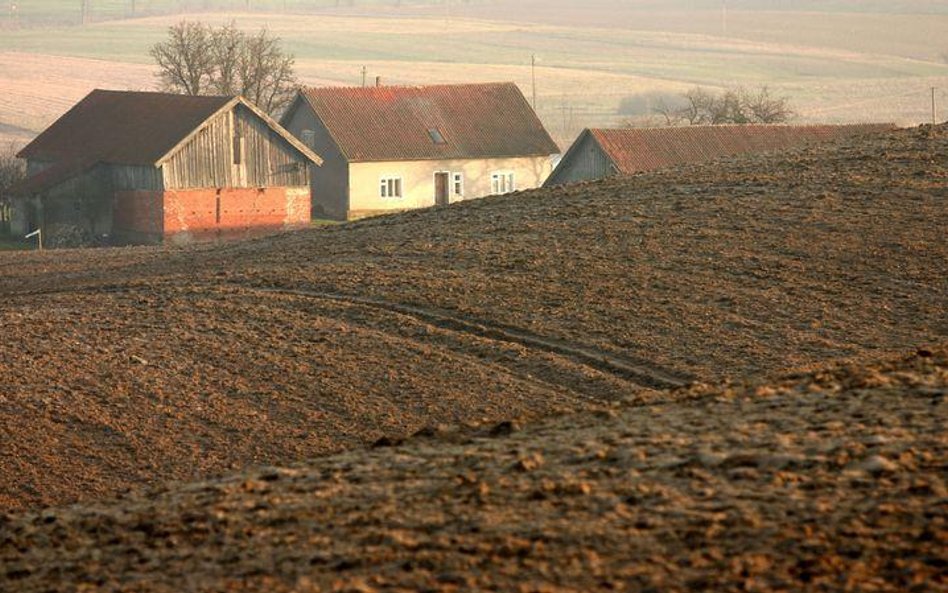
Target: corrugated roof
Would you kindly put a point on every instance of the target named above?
(394, 123)
(633, 150)
(121, 127)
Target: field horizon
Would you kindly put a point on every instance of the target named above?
(835, 67)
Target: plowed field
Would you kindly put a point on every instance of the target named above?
(122, 368)
(831, 481)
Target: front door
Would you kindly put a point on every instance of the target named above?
(441, 189)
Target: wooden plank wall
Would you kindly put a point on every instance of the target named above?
(584, 163)
(132, 177)
(266, 159)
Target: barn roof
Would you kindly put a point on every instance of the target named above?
(127, 128)
(633, 150)
(396, 123)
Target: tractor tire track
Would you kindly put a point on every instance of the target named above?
(636, 371)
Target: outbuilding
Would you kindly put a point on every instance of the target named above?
(140, 167)
(600, 153)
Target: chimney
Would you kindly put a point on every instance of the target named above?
(378, 81)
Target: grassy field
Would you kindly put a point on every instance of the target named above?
(835, 67)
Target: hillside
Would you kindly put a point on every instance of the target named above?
(830, 481)
(134, 366)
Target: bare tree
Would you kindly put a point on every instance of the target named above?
(762, 107)
(672, 114)
(228, 47)
(12, 170)
(732, 106)
(186, 59)
(197, 59)
(266, 73)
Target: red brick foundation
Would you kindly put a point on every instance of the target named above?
(204, 214)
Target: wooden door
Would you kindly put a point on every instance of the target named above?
(441, 188)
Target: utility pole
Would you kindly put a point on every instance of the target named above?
(724, 17)
(533, 75)
(934, 112)
(364, 72)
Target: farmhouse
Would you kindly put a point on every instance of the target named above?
(599, 153)
(139, 167)
(392, 148)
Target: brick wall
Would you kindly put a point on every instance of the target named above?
(202, 214)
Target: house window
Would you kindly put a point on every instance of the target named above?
(502, 182)
(390, 187)
(457, 181)
(436, 136)
(309, 138)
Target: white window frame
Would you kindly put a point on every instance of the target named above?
(502, 182)
(457, 184)
(391, 187)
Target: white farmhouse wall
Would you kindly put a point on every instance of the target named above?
(418, 181)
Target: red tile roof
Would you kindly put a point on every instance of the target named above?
(633, 150)
(128, 128)
(397, 123)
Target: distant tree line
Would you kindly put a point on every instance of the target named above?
(197, 59)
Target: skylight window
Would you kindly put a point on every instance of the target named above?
(436, 136)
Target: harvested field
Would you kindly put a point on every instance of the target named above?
(131, 367)
(37, 89)
(830, 481)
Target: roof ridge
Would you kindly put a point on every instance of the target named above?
(405, 86)
(742, 126)
(156, 93)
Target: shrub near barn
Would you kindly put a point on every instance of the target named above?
(12, 170)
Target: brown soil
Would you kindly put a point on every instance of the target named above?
(830, 481)
(135, 366)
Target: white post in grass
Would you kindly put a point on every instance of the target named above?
(38, 233)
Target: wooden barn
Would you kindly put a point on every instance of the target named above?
(137, 167)
(394, 148)
(599, 153)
